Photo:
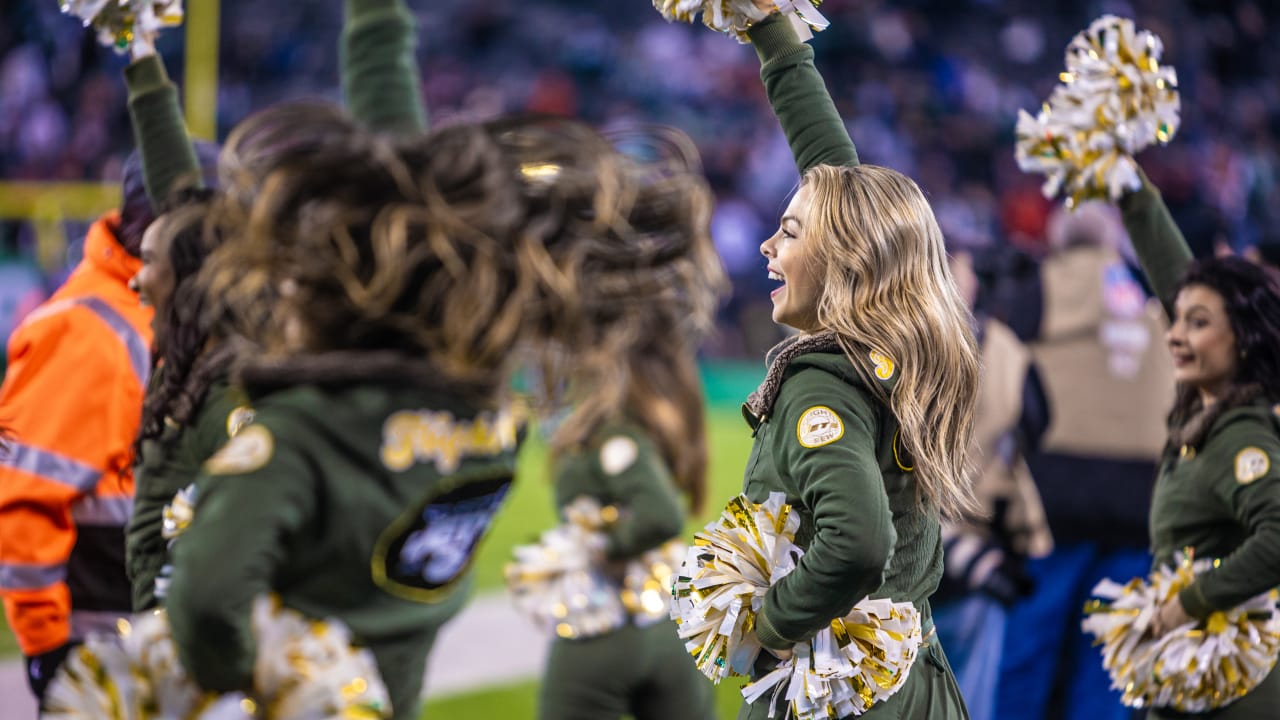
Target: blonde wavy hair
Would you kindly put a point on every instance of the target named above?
(886, 287)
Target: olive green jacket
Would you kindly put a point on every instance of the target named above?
(362, 502)
(622, 467)
(169, 464)
(1222, 501)
(831, 446)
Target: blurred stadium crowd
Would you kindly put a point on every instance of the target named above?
(932, 88)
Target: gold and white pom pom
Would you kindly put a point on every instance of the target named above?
(309, 668)
(860, 660)
(646, 586)
(120, 22)
(558, 582)
(734, 17)
(304, 669)
(179, 513)
(1115, 99)
(720, 586)
(1194, 668)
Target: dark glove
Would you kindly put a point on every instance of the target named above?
(1008, 582)
(42, 668)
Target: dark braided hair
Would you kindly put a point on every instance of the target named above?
(186, 363)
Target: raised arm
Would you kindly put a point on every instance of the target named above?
(168, 158)
(380, 80)
(799, 97)
(1161, 249)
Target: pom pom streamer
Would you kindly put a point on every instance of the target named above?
(176, 517)
(733, 17)
(721, 586)
(558, 582)
(1115, 99)
(562, 583)
(859, 660)
(120, 22)
(305, 669)
(1193, 668)
(646, 586)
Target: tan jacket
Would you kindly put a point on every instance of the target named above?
(1001, 471)
(1100, 355)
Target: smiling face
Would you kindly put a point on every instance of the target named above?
(155, 280)
(795, 302)
(1202, 342)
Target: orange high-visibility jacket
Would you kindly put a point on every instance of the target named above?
(72, 401)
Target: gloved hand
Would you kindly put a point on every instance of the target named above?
(1008, 582)
(41, 669)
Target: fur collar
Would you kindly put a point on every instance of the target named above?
(760, 402)
(1196, 429)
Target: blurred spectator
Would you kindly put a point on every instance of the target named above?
(71, 402)
(1099, 352)
(986, 555)
(931, 87)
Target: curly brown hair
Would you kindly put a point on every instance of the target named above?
(353, 241)
(635, 284)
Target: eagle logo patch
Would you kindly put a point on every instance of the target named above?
(818, 426)
(1251, 464)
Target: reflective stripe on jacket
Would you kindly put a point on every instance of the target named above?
(72, 400)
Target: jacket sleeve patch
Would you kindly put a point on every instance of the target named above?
(249, 450)
(1251, 463)
(884, 365)
(818, 426)
(617, 454)
(237, 419)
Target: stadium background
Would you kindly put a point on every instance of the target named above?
(930, 87)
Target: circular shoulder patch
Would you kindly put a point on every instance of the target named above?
(249, 450)
(237, 419)
(818, 426)
(1251, 463)
(618, 453)
(884, 365)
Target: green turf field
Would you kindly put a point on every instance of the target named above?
(521, 701)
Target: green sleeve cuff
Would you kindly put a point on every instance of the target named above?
(1159, 244)
(1194, 602)
(775, 39)
(145, 75)
(1136, 203)
(768, 634)
(160, 133)
(380, 78)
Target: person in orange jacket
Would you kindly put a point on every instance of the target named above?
(72, 401)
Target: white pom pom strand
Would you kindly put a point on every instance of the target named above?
(1115, 100)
